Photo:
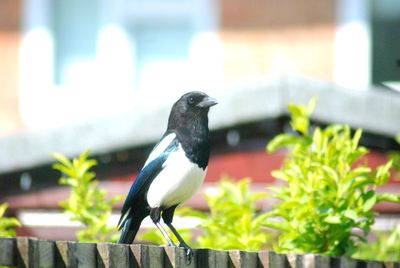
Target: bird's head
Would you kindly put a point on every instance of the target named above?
(192, 106)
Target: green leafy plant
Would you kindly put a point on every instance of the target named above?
(385, 248)
(395, 157)
(327, 204)
(154, 236)
(87, 203)
(7, 225)
(233, 221)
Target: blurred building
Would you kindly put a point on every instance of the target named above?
(78, 74)
(110, 53)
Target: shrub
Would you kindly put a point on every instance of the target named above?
(395, 156)
(326, 206)
(385, 248)
(233, 222)
(7, 225)
(154, 236)
(87, 203)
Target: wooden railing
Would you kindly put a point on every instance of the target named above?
(31, 252)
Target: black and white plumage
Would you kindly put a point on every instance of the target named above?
(174, 170)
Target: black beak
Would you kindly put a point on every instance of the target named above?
(207, 102)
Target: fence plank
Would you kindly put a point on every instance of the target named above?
(278, 260)
(221, 258)
(374, 264)
(295, 260)
(205, 257)
(322, 261)
(392, 264)
(120, 256)
(25, 249)
(30, 252)
(45, 254)
(113, 255)
(8, 252)
(74, 254)
(239, 259)
(351, 263)
(147, 256)
(155, 256)
(176, 257)
(85, 254)
(138, 253)
(61, 254)
(263, 259)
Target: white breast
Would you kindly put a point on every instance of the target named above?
(177, 182)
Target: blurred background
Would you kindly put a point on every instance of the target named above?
(104, 74)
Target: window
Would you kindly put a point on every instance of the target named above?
(78, 57)
(385, 41)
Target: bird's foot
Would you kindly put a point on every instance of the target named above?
(188, 251)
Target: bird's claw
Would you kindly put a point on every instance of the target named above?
(189, 253)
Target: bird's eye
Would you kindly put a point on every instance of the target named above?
(191, 100)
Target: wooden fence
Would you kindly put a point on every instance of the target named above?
(31, 252)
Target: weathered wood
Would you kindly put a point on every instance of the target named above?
(221, 258)
(30, 252)
(278, 260)
(374, 264)
(74, 254)
(61, 254)
(309, 261)
(176, 257)
(391, 264)
(303, 261)
(113, 255)
(322, 261)
(8, 251)
(45, 254)
(351, 263)
(295, 260)
(139, 255)
(263, 259)
(239, 259)
(85, 254)
(155, 256)
(147, 256)
(25, 252)
(205, 257)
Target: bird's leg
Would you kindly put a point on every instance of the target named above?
(167, 217)
(155, 217)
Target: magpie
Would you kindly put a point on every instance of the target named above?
(173, 172)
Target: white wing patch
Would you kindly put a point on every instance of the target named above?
(177, 182)
(160, 147)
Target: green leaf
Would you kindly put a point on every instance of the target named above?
(356, 138)
(311, 106)
(333, 219)
(382, 173)
(7, 225)
(370, 200)
(280, 141)
(351, 214)
(87, 203)
(393, 198)
(62, 159)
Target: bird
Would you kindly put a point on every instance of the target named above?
(173, 172)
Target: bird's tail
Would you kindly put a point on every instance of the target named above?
(129, 231)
